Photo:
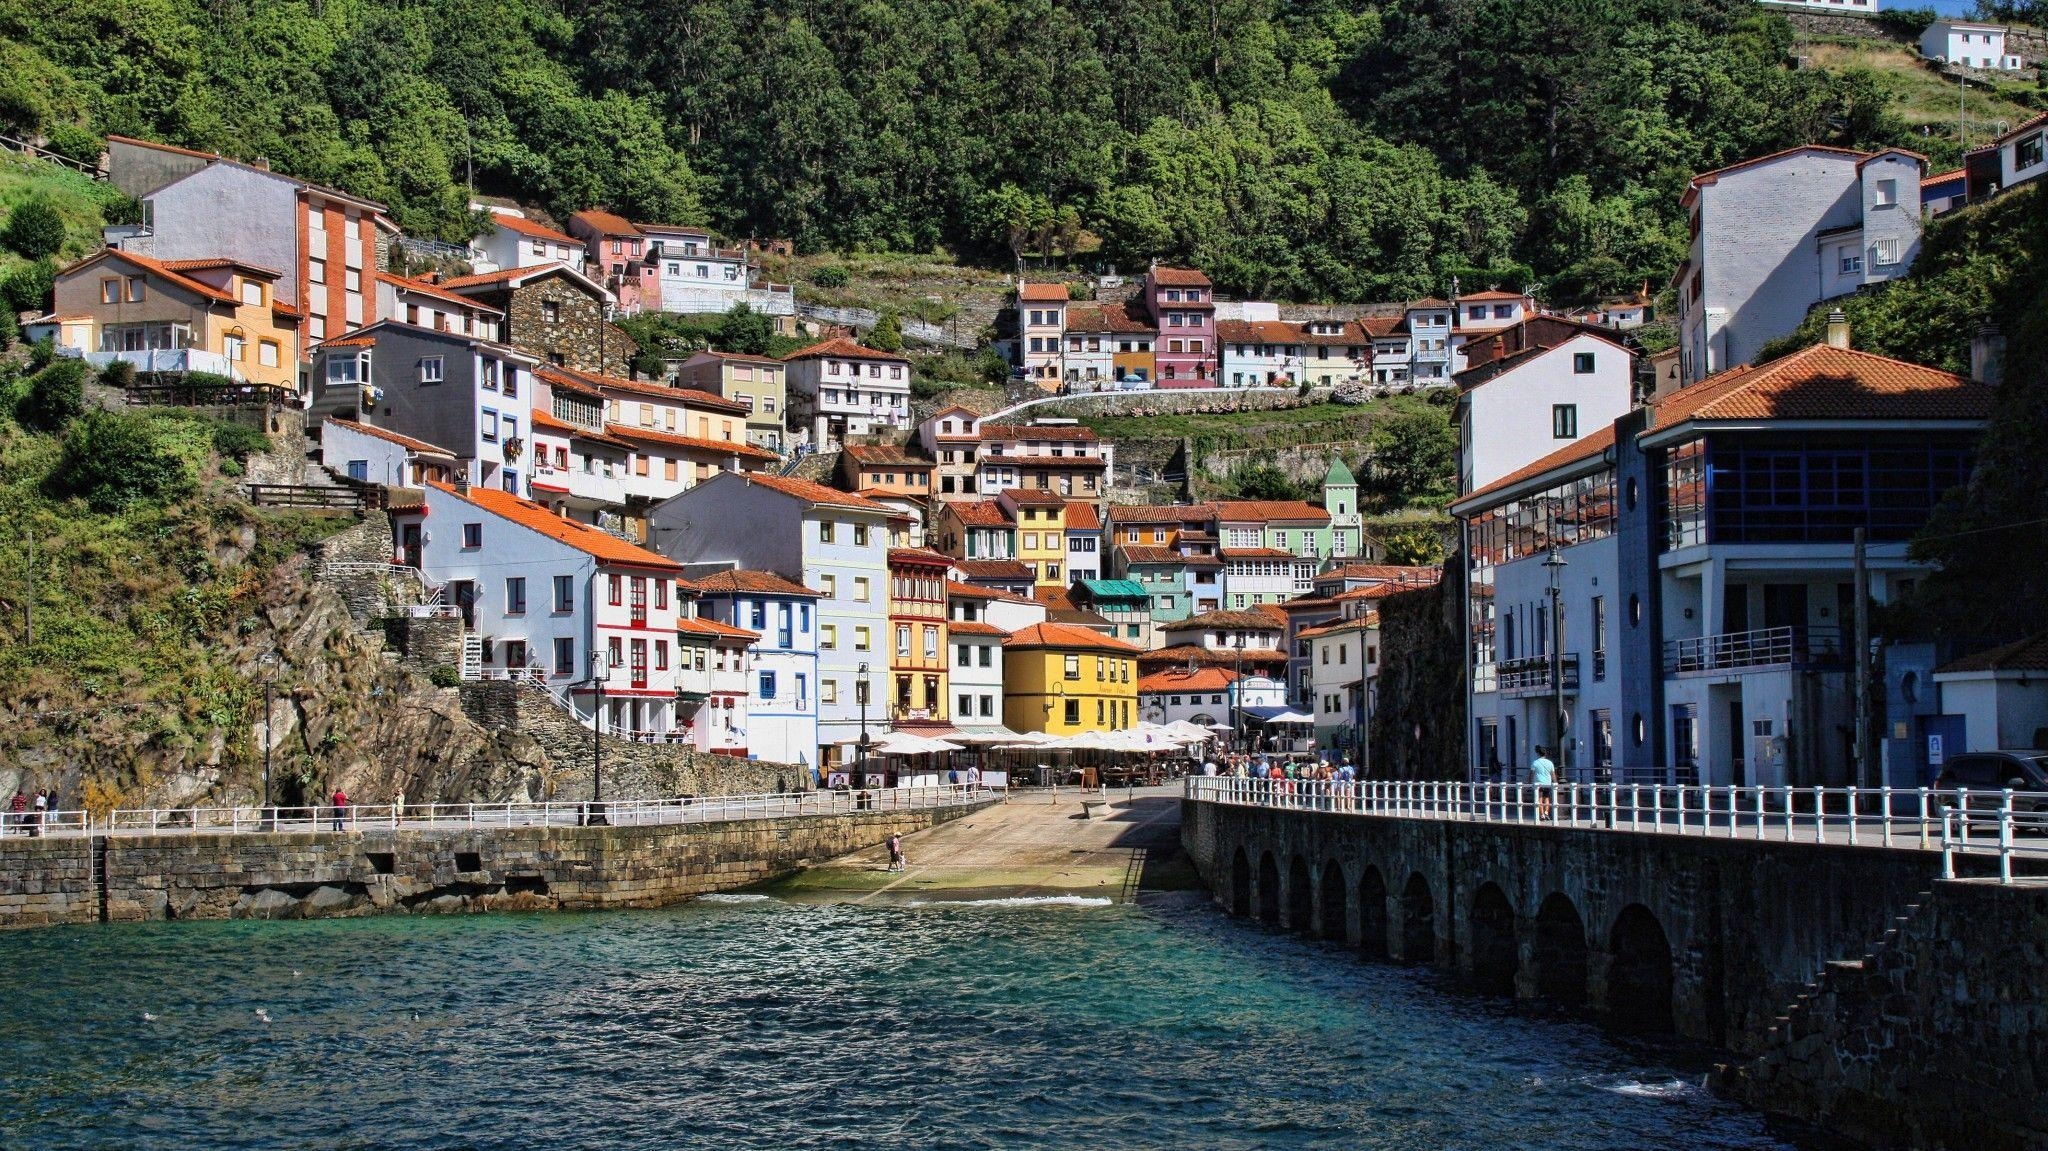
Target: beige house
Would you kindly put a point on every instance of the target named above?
(207, 315)
(756, 381)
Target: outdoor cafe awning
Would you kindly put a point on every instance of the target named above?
(1278, 715)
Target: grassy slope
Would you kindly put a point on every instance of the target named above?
(1925, 99)
(83, 202)
(934, 287)
(1233, 426)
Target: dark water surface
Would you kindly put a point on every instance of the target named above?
(746, 1022)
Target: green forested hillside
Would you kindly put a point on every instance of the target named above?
(1325, 148)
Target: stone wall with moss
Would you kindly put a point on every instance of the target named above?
(1418, 722)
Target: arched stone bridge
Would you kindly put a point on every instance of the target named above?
(1711, 938)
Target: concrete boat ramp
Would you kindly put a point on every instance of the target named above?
(1108, 845)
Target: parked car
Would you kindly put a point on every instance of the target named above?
(1988, 775)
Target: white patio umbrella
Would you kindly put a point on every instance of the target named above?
(904, 743)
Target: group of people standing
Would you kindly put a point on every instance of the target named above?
(1236, 766)
(27, 815)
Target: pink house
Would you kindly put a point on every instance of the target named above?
(1183, 307)
(618, 259)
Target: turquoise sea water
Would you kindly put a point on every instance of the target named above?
(750, 1022)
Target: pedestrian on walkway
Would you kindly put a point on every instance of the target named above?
(340, 807)
(895, 852)
(1543, 774)
(18, 808)
(42, 814)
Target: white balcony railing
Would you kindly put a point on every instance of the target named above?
(165, 360)
(1764, 647)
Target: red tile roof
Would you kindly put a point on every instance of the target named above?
(1828, 383)
(1033, 497)
(1136, 514)
(1382, 327)
(979, 513)
(532, 229)
(1366, 622)
(1258, 554)
(1145, 554)
(843, 348)
(220, 262)
(1290, 511)
(389, 436)
(2029, 654)
(740, 448)
(815, 493)
(438, 292)
(162, 271)
(604, 223)
(504, 275)
(762, 582)
(969, 591)
(924, 556)
(1397, 573)
(1043, 293)
(888, 454)
(1066, 635)
(1167, 277)
(994, 569)
(602, 545)
(716, 630)
(690, 397)
(1258, 332)
(973, 627)
(1249, 618)
(1081, 516)
(1181, 679)
(1495, 294)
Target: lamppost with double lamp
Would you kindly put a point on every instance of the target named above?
(1554, 567)
(860, 746)
(1237, 694)
(600, 670)
(268, 662)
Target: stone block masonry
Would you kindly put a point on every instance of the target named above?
(323, 875)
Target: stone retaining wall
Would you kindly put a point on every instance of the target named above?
(320, 875)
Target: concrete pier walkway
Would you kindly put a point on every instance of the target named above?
(1034, 845)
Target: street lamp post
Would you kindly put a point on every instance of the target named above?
(600, 670)
(1237, 694)
(1554, 567)
(860, 746)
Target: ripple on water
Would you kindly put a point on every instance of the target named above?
(753, 1022)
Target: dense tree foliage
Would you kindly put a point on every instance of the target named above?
(1330, 148)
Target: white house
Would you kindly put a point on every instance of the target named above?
(1773, 236)
(831, 541)
(1041, 329)
(1083, 525)
(782, 698)
(426, 305)
(1343, 663)
(1533, 388)
(1262, 353)
(381, 456)
(1205, 696)
(2018, 157)
(839, 388)
(2001, 695)
(514, 241)
(1967, 44)
(713, 685)
(539, 594)
(976, 670)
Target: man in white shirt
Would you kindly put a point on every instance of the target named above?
(1543, 774)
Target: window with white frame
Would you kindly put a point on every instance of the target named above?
(430, 370)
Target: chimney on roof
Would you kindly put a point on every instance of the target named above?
(1838, 329)
(1987, 354)
(262, 162)
(462, 482)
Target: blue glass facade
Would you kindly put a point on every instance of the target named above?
(1792, 487)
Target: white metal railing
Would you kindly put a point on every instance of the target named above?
(1958, 822)
(1763, 647)
(431, 816)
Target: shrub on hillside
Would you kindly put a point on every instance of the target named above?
(34, 229)
(54, 397)
(27, 288)
(118, 374)
(830, 276)
(745, 331)
(76, 143)
(1081, 291)
(10, 328)
(115, 460)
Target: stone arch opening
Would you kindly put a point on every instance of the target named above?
(1269, 890)
(1418, 921)
(1639, 972)
(1493, 941)
(1301, 894)
(1559, 949)
(1330, 916)
(1372, 913)
(1240, 884)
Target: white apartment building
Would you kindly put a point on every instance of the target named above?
(1967, 44)
(514, 241)
(1343, 664)
(839, 388)
(1534, 388)
(539, 595)
(1041, 330)
(1773, 236)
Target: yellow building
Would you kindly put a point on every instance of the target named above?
(917, 624)
(1061, 679)
(1040, 526)
(217, 316)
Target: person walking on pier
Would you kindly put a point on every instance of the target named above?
(18, 808)
(42, 815)
(340, 807)
(1543, 774)
(895, 852)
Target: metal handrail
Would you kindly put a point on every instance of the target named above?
(1958, 822)
(432, 816)
(1760, 647)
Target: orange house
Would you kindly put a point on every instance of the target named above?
(214, 315)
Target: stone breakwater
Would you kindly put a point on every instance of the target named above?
(319, 875)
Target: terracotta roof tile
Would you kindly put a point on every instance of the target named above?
(2029, 654)
(1291, 511)
(1141, 554)
(885, 454)
(716, 630)
(1492, 295)
(742, 580)
(1174, 679)
(1259, 332)
(979, 513)
(1081, 516)
(1258, 554)
(606, 223)
(1043, 293)
(1050, 433)
(584, 538)
(1168, 277)
(924, 556)
(1828, 383)
(973, 627)
(1137, 514)
(690, 397)
(161, 270)
(1366, 622)
(1238, 620)
(436, 291)
(994, 569)
(532, 229)
(740, 448)
(845, 349)
(814, 493)
(1066, 635)
(968, 590)
(389, 436)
